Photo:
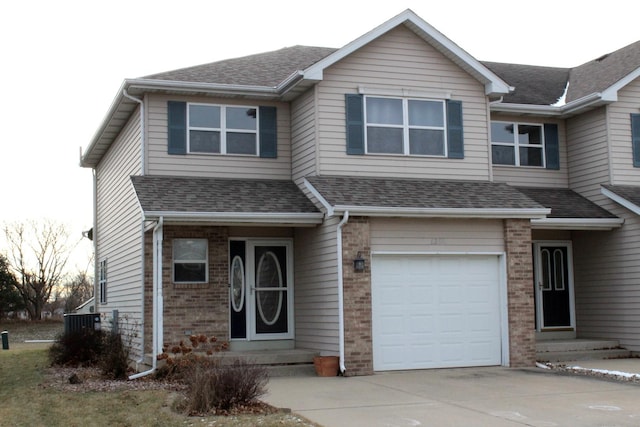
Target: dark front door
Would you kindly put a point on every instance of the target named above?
(554, 287)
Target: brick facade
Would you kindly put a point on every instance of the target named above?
(190, 308)
(521, 305)
(358, 344)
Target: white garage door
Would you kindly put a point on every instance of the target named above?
(432, 311)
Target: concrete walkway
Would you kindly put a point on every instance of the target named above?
(492, 396)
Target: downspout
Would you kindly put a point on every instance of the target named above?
(156, 317)
(96, 261)
(344, 220)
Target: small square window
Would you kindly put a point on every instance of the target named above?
(190, 261)
(517, 144)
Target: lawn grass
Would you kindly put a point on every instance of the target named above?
(27, 400)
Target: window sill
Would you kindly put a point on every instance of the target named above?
(201, 285)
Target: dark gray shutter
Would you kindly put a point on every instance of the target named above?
(177, 129)
(355, 124)
(455, 134)
(551, 146)
(635, 139)
(268, 132)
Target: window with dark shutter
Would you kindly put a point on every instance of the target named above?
(635, 139)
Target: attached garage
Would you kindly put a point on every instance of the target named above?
(436, 311)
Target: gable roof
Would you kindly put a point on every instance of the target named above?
(421, 198)
(533, 84)
(220, 200)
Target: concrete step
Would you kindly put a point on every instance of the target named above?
(579, 349)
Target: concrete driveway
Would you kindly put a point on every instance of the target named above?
(460, 397)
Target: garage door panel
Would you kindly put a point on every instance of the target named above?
(435, 311)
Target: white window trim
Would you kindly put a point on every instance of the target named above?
(516, 144)
(191, 261)
(406, 127)
(223, 129)
(102, 281)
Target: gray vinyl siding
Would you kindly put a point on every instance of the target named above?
(400, 60)
(623, 172)
(532, 176)
(436, 235)
(316, 287)
(607, 276)
(588, 153)
(303, 136)
(159, 162)
(118, 231)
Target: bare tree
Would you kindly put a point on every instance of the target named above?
(78, 289)
(38, 254)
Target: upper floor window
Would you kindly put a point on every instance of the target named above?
(190, 261)
(222, 129)
(517, 144)
(405, 126)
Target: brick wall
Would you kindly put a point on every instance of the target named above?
(190, 308)
(521, 306)
(358, 346)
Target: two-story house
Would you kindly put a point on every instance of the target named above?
(395, 202)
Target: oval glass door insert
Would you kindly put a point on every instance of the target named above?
(237, 284)
(269, 275)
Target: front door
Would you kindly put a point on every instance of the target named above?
(261, 283)
(554, 287)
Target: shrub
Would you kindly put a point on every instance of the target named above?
(217, 386)
(83, 347)
(114, 361)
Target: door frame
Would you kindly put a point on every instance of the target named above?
(249, 265)
(557, 332)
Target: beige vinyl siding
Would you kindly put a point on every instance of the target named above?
(316, 287)
(436, 235)
(159, 162)
(532, 176)
(623, 172)
(588, 153)
(303, 136)
(119, 228)
(607, 276)
(400, 60)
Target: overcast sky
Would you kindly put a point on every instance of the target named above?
(63, 62)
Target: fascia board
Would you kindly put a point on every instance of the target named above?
(603, 224)
(611, 93)
(573, 107)
(493, 84)
(376, 211)
(324, 202)
(621, 200)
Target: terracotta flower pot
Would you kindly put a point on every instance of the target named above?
(326, 366)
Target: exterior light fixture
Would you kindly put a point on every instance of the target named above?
(358, 263)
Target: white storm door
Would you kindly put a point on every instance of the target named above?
(269, 279)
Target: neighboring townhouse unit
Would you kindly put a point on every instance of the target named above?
(395, 202)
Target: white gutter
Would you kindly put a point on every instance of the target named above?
(157, 321)
(594, 224)
(592, 100)
(491, 213)
(621, 200)
(239, 217)
(344, 220)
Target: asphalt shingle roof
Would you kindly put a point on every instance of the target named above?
(565, 203)
(417, 193)
(264, 69)
(534, 85)
(627, 192)
(206, 195)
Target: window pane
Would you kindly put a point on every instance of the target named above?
(384, 140)
(241, 143)
(202, 141)
(189, 272)
(384, 111)
(503, 155)
(426, 113)
(206, 116)
(241, 118)
(426, 142)
(530, 156)
(530, 134)
(190, 249)
(502, 132)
